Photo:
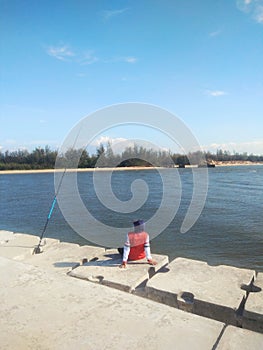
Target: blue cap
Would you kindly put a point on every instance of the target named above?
(138, 223)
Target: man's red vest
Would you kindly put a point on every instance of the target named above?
(137, 241)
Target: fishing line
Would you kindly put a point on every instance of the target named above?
(37, 249)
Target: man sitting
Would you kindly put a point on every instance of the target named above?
(137, 245)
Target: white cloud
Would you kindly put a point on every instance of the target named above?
(215, 93)
(244, 5)
(259, 14)
(252, 7)
(215, 33)
(255, 147)
(119, 144)
(10, 142)
(108, 14)
(12, 145)
(88, 58)
(245, 2)
(62, 53)
(106, 139)
(130, 59)
(25, 109)
(126, 59)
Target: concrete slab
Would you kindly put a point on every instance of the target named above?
(253, 312)
(45, 310)
(107, 272)
(63, 257)
(5, 236)
(240, 339)
(194, 286)
(21, 246)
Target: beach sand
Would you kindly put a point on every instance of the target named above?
(217, 164)
(232, 163)
(33, 171)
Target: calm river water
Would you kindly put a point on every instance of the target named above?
(229, 230)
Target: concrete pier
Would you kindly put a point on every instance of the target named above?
(43, 310)
(209, 291)
(253, 312)
(105, 270)
(235, 338)
(19, 246)
(43, 307)
(64, 257)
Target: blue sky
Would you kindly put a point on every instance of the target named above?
(64, 59)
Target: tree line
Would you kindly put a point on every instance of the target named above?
(45, 158)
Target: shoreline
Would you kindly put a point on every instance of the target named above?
(39, 171)
(246, 163)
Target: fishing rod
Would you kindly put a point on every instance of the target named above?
(37, 249)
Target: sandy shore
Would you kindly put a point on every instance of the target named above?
(237, 163)
(68, 170)
(217, 164)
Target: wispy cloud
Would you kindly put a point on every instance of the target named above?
(13, 108)
(62, 53)
(10, 142)
(14, 145)
(130, 59)
(255, 147)
(126, 59)
(88, 58)
(215, 93)
(119, 144)
(81, 75)
(244, 5)
(259, 14)
(215, 33)
(252, 7)
(104, 139)
(108, 14)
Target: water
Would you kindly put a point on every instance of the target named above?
(229, 230)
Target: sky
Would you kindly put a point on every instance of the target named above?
(62, 60)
